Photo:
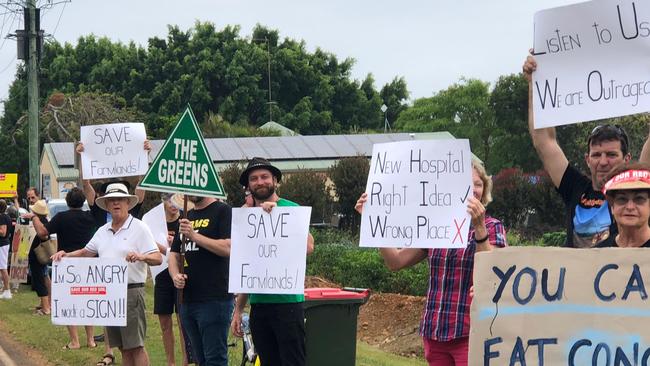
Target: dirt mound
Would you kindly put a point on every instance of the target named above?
(389, 321)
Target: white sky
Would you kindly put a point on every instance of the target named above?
(430, 43)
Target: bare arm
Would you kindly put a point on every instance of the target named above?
(138, 191)
(310, 244)
(219, 247)
(235, 324)
(88, 189)
(396, 259)
(544, 139)
(174, 262)
(151, 258)
(41, 230)
(83, 252)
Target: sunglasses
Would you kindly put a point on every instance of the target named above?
(638, 200)
(616, 129)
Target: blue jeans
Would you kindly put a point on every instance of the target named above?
(207, 324)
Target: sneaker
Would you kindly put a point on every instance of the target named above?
(6, 294)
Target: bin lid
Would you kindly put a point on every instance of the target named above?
(328, 293)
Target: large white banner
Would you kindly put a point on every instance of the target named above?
(593, 62)
(269, 250)
(417, 195)
(89, 291)
(113, 150)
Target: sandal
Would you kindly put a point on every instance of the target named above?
(41, 312)
(106, 360)
(69, 347)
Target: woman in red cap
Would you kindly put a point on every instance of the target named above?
(628, 196)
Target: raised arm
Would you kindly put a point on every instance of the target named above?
(544, 139)
(138, 191)
(88, 189)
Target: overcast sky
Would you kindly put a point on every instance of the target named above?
(430, 43)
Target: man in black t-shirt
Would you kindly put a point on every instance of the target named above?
(5, 234)
(588, 218)
(207, 305)
(74, 229)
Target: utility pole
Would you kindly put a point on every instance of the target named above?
(32, 91)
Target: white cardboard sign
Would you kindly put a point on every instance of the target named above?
(157, 222)
(89, 291)
(113, 150)
(269, 250)
(592, 62)
(417, 195)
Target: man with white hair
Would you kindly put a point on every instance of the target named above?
(129, 238)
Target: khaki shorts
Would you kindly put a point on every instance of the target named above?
(133, 335)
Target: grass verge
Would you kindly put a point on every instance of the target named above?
(38, 333)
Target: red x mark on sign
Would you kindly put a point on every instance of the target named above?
(458, 231)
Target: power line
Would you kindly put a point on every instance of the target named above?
(59, 20)
(9, 64)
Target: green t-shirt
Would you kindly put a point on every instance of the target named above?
(277, 299)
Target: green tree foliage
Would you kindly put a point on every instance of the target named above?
(349, 176)
(307, 188)
(230, 180)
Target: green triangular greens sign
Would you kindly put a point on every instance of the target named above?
(183, 163)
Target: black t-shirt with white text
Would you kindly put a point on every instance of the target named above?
(207, 273)
(73, 229)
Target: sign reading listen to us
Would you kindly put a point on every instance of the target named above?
(559, 306)
(417, 195)
(113, 150)
(592, 62)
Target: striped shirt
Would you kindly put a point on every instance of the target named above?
(446, 312)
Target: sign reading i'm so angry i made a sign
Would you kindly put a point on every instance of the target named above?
(183, 163)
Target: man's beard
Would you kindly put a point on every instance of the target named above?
(263, 193)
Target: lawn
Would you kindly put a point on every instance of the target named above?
(37, 332)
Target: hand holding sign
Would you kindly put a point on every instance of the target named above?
(417, 195)
(592, 62)
(113, 150)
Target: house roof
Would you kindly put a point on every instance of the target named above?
(296, 149)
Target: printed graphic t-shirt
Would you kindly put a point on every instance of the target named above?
(588, 218)
(207, 272)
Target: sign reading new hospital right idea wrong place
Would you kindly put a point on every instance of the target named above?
(417, 195)
(592, 62)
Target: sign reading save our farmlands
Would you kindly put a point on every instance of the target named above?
(559, 306)
(183, 163)
(113, 150)
(592, 62)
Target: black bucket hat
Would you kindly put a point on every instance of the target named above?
(258, 163)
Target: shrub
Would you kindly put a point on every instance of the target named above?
(364, 267)
(511, 194)
(230, 180)
(307, 188)
(349, 176)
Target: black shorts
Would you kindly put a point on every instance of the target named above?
(164, 294)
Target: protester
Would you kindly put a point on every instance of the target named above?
(5, 234)
(588, 217)
(277, 322)
(628, 194)
(164, 298)
(41, 283)
(206, 303)
(129, 238)
(73, 228)
(444, 326)
(101, 216)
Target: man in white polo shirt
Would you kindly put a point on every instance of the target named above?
(125, 237)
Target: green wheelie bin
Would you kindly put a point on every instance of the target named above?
(331, 325)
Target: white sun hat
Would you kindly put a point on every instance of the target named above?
(116, 190)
